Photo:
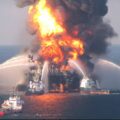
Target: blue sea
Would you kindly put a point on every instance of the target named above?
(6, 52)
(65, 105)
(68, 106)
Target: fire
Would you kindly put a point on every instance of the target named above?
(51, 51)
(56, 44)
(44, 19)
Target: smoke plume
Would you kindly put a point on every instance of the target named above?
(81, 19)
(87, 17)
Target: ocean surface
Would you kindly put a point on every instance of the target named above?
(65, 105)
(7, 52)
(68, 106)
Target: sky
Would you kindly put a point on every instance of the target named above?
(13, 29)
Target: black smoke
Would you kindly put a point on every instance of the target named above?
(87, 16)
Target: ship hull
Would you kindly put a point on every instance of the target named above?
(94, 92)
(34, 92)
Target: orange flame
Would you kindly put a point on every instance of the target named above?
(53, 48)
(51, 51)
(44, 19)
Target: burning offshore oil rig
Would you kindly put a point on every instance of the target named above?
(49, 78)
(68, 33)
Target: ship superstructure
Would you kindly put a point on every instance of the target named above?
(13, 104)
(35, 84)
(89, 86)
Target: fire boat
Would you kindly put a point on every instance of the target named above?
(12, 105)
(91, 87)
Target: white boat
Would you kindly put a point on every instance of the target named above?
(35, 87)
(13, 104)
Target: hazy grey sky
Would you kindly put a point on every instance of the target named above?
(13, 22)
(113, 17)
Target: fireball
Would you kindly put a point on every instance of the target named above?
(48, 27)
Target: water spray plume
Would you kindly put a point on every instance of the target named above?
(76, 66)
(17, 61)
(109, 63)
(16, 65)
(44, 76)
(12, 61)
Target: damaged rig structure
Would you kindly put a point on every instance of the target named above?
(59, 81)
(66, 30)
